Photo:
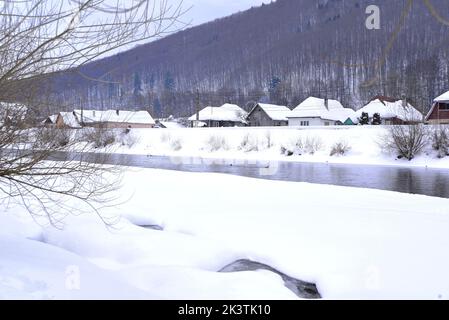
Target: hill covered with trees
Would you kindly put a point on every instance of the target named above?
(281, 53)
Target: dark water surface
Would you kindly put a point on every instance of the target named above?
(431, 182)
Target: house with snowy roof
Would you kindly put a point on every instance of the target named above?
(439, 113)
(321, 112)
(114, 119)
(64, 120)
(392, 111)
(228, 115)
(268, 115)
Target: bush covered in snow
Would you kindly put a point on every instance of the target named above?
(128, 138)
(301, 145)
(165, 137)
(249, 143)
(312, 144)
(440, 141)
(269, 140)
(406, 141)
(50, 137)
(215, 143)
(176, 144)
(340, 148)
(99, 137)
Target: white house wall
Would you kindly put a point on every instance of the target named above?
(296, 122)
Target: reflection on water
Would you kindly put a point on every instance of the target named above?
(432, 182)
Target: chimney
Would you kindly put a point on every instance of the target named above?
(326, 103)
(118, 112)
(404, 102)
(93, 112)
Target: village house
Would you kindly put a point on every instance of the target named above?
(228, 115)
(114, 119)
(50, 121)
(321, 112)
(392, 111)
(439, 113)
(65, 120)
(268, 115)
(104, 119)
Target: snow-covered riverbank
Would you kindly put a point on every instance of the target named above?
(354, 243)
(365, 145)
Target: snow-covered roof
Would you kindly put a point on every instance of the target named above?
(122, 116)
(234, 107)
(70, 119)
(51, 118)
(171, 124)
(443, 98)
(389, 110)
(275, 112)
(316, 108)
(227, 112)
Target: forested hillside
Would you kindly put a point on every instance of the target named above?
(282, 53)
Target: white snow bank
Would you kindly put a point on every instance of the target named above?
(34, 270)
(354, 243)
(266, 144)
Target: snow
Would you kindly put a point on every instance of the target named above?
(33, 270)
(70, 119)
(227, 112)
(354, 243)
(122, 116)
(443, 98)
(275, 112)
(316, 108)
(365, 142)
(171, 124)
(389, 110)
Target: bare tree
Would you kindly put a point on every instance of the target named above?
(407, 140)
(42, 166)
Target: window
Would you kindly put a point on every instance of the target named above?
(444, 106)
(327, 123)
(304, 123)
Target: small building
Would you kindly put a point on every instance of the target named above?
(392, 111)
(321, 112)
(268, 115)
(114, 119)
(66, 120)
(439, 113)
(228, 115)
(50, 121)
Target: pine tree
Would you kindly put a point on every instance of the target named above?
(377, 119)
(364, 119)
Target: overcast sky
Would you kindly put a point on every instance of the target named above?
(207, 10)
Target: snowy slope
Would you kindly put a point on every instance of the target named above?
(353, 243)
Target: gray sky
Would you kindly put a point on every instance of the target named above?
(207, 10)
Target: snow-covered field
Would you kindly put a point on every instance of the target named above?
(365, 145)
(354, 243)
